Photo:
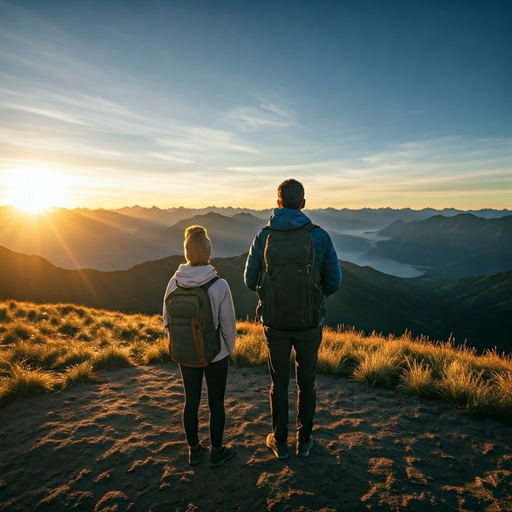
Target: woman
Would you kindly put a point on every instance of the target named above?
(197, 272)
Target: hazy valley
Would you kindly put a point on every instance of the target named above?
(119, 239)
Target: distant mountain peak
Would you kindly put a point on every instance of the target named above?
(244, 216)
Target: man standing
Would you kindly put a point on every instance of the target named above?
(293, 267)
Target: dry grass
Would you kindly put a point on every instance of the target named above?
(46, 347)
(23, 381)
(157, 353)
(478, 384)
(251, 348)
(49, 346)
(465, 388)
(378, 368)
(503, 392)
(417, 379)
(82, 373)
(112, 357)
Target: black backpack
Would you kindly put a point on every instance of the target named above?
(289, 292)
(193, 339)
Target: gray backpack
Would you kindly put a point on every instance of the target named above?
(289, 292)
(193, 339)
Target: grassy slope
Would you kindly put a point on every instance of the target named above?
(50, 346)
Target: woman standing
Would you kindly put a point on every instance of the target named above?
(195, 273)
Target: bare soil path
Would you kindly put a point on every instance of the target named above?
(118, 445)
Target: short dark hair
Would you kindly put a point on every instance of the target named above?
(291, 194)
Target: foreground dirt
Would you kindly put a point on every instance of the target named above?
(118, 445)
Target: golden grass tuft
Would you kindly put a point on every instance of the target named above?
(4, 314)
(503, 393)
(74, 355)
(34, 354)
(335, 358)
(24, 381)
(378, 368)
(464, 388)
(417, 379)
(81, 373)
(110, 358)
(157, 353)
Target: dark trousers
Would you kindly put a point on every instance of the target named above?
(306, 344)
(216, 375)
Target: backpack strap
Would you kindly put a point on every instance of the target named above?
(204, 286)
(309, 227)
(207, 285)
(267, 229)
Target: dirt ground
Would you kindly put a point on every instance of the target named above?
(119, 445)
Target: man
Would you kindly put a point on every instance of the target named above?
(293, 267)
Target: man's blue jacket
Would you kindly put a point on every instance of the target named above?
(285, 219)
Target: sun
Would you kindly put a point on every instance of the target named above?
(34, 190)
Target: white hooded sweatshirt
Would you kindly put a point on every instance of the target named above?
(221, 301)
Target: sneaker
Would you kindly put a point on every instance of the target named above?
(304, 447)
(195, 453)
(219, 455)
(280, 450)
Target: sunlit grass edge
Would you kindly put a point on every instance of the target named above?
(46, 347)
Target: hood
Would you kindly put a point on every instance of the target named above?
(286, 219)
(188, 276)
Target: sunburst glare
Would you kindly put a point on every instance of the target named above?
(34, 189)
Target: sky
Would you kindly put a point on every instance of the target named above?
(198, 103)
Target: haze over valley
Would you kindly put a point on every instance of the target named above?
(111, 240)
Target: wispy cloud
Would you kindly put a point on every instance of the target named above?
(53, 114)
(311, 167)
(171, 158)
(498, 142)
(263, 116)
(202, 139)
(411, 150)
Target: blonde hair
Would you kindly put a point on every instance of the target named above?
(197, 245)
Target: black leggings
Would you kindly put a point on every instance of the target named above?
(216, 376)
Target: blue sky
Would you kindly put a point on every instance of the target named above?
(383, 103)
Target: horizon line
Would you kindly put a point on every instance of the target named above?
(166, 208)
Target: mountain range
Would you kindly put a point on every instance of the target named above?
(478, 310)
(460, 246)
(332, 219)
(112, 240)
(108, 240)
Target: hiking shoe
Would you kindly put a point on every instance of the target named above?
(219, 455)
(280, 450)
(304, 447)
(195, 454)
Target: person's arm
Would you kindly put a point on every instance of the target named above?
(253, 263)
(227, 318)
(331, 272)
